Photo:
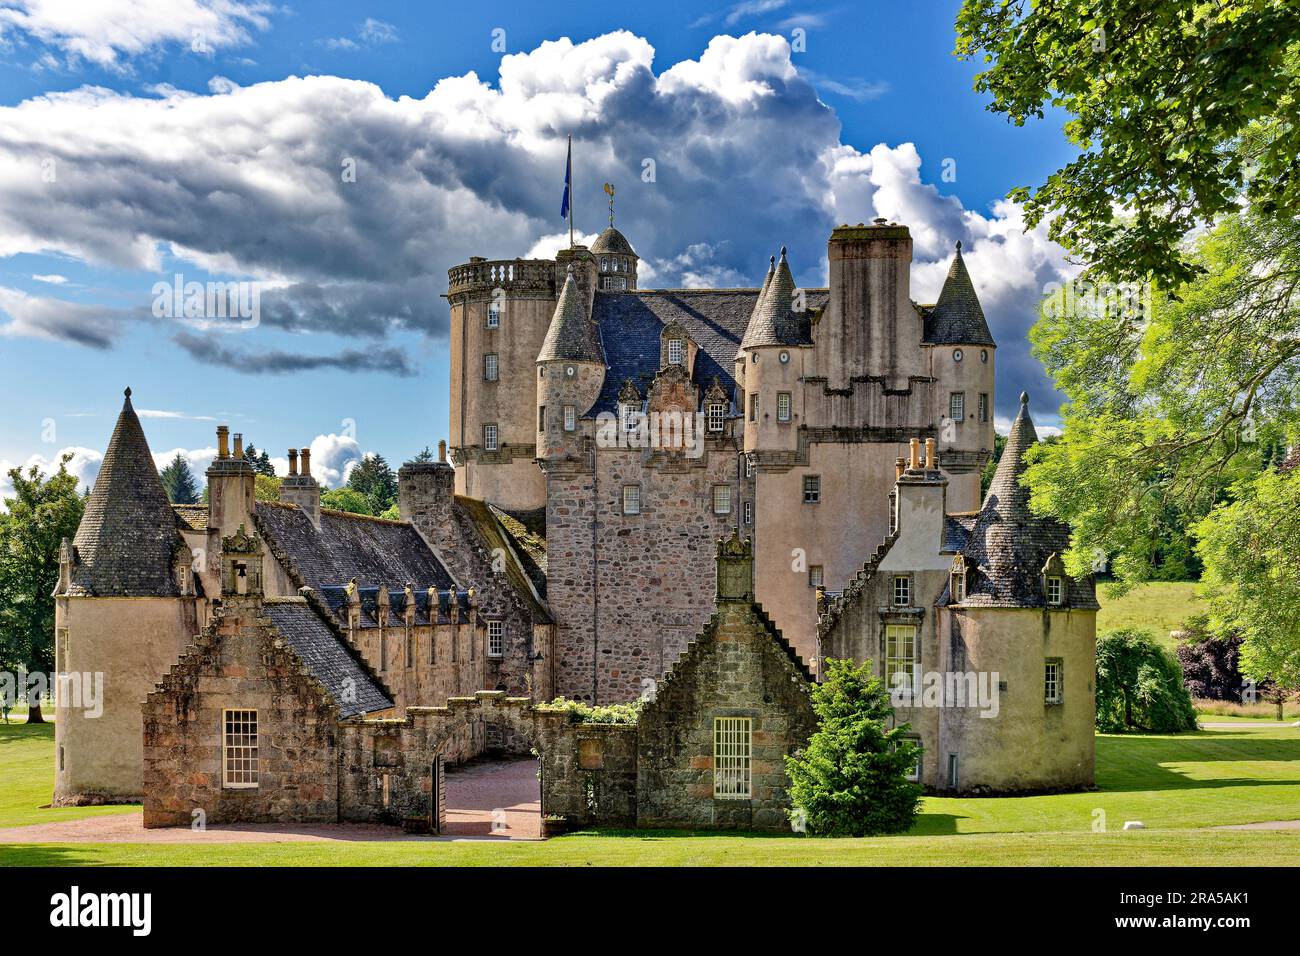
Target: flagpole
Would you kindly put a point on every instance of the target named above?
(570, 190)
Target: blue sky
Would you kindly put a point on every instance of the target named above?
(180, 144)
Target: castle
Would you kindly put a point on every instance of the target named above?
(604, 439)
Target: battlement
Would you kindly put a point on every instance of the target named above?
(512, 275)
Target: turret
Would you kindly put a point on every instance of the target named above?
(570, 373)
(615, 261)
(772, 353)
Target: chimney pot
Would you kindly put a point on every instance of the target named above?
(223, 441)
(442, 449)
(900, 466)
(239, 444)
(931, 458)
(293, 461)
(915, 461)
(305, 467)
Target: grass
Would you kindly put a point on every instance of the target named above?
(1229, 710)
(1159, 607)
(1178, 786)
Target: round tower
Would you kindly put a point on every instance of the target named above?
(570, 373)
(615, 262)
(770, 363)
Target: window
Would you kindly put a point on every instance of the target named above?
(491, 365)
(494, 316)
(902, 590)
(631, 499)
(410, 647)
(239, 765)
(631, 412)
(749, 467)
(717, 415)
(893, 512)
(953, 780)
(675, 351)
(957, 355)
(812, 489)
(731, 749)
(749, 512)
(541, 418)
(914, 772)
(957, 406)
(900, 655)
(816, 576)
(496, 638)
(957, 586)
(782, 406)
(490, 437)
(753, 407)
(983, 407)
(1055, 590)
(1052, 687)
(570, 418)
(722, 499)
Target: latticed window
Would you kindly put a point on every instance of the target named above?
(631, 499)
(570, 418)
(490, 366)
(717, 415)
(816, 576)
(812, 489)
(749, 512)
(983, 407)
(1052, 685)
(957, 586)
(494, 316)
(900, 655)
(732, 739)
(902, 590)
(782, 406)
(496, 638)
(957, 406)
(490, 437)
(631, 415)
(675, 351)
(722, 499)
(1055, 590)
(239, 761)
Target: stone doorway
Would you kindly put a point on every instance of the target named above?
(493, 798)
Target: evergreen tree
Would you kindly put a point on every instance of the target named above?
(179, 483)
(260, 461)
(426, 455)
(373, 478)
(851, 778)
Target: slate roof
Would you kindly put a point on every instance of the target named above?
(1008, 544)
(611, 240)
(429, 609)
(519, 566)
(127, 536)
(571, 337)
(631, 324)
(957, 318)
(329, 657)
(956, 531)
(191, 517)
(774, 320)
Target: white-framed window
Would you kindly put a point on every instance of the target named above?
(983, 407)
(496, 638)
(675, 351)
(491, 367)
(631, 499)
(902, 590)
(753, 406)
(722, 499)
(749, 466)
(1055, 590)
(490, 436)
(957, 406)
(631, 415)
(816, 576)
(900, 655)
(494, 315)
(717, 415)
(239, 760)
(748, 511)
(782, 406)
(914, 773)
(732, 745)
(1053, 686)
(957, 586)
(812, 489)
(570, 418)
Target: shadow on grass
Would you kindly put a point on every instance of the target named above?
(37, 854)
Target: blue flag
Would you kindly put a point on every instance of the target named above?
(568, 176)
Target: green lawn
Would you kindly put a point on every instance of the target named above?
(1177, 785)
(1159, 607)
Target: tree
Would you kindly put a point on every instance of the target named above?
(373, 478)
(391, 513)
(178, 481)
(1140, 686)
(426, 455)
(346, 499)
(42, 512)
(1210, 662)
(266, 487)
(851, 778)
(260, 461)
(1179, 108)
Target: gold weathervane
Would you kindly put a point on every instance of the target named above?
(609, 191)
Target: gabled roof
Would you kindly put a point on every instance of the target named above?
(632, 324)
(517, 562)
(1009, 544)
(127, 537)
(572, 336)
(329, 657)
(774, 320)
(957, 318)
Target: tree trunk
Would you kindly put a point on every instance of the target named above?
(34, 715)
(1279, 707)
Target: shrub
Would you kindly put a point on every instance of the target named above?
(1210, 662)
(1140, 686)
(851, 778)
(583, 713)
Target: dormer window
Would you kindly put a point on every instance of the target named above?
(957, 582)
(1055, 590)
(717, 414)
(675, 351)
(631, 413)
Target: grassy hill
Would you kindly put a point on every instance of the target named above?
(1160, 607)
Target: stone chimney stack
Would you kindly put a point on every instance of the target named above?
(223, 441)
(921, 499)
(442, 450)
(231, 483)
(300, 488)
(425, 494)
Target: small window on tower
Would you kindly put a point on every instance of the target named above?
(675, 351)
(902, 590)
(1053, 685)
(1055, 590)
(494, 315)
(816, 576)
(570, 418)
(490, 437)
(983, 407)
(490, 367)
(541, 418)
(749, 512)
(812, 489)
(782, 406)
(753, 407)
(957, 406)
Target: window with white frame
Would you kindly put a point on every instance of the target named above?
(812, 489)
(1053, 689)
(749, 466)
(957, 586)
(957, 406)
(494, 316)
(902, 590)
(732, 737)
(675, 351)
(748, 512)
(496, 638)
(1055, 589)
(900, 655)
(631, 499)
(570, 418)
(717, 415)
(816, 576)
(782, 406)
(753, 407)
(491, 367)
(913, 772)
(239, 760)
(631, 414)
(722, 499)
(983, 407)
(490, 437)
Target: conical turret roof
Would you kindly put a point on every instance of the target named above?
(572, 336)
(127, 537)
(774, 320)
(957, 318)
(611, 240)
